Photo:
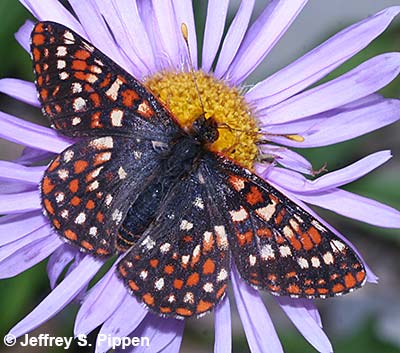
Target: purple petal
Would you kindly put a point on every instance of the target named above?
(170, 36)
(100, 303)
(22, 90)
(58, 261)
(60, 296)
(184, 14)
(122, 322)
(214, 28)
(32, 155)
(328, 128)
(29, 134)
(17, 172)
(28, 256)
(126, 26)
(223, 327)
(52, 10)
(19, 203)
(97, 30)
(175, 345)
(305, 323)
(287, 158)
(355, 206)
(23, 35)
(15, 187)
(299, 184)
(320, 61)
(20, 243)
(262, 37)
(259, 329)
(365, 79)
(234, 37)
(160, 331)
(16, 226)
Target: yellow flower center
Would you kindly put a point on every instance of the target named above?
(238, 131)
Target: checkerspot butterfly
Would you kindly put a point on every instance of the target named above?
(138, 183)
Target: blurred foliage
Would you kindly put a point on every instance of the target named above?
(21, 294)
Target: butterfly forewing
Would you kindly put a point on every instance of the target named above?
(182, 263)
(84, 93)
(280, 247)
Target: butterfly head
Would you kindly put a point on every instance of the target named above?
(205, 130)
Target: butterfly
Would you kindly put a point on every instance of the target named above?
(137, 183)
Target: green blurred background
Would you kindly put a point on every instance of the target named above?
(366, 321)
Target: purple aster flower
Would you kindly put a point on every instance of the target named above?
(144, 37)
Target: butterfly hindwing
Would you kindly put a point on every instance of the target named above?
(280, 247)
(181, 265)
(84, 93)
(88, 189)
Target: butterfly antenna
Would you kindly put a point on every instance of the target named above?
(185, 35)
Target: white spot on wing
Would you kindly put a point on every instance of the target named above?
(122, 173)
(186, 225)
(303, 263)
(116, 117)
(240, 215)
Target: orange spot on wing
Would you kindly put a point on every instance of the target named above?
(322, 291)
(95, 99)
(95, 120)
(178, 283)
(75, 201)
(79, 65)
(122, 271)
(254, 196)
(74, 185)
(54, 164)
(295, 243)
(193, 279)
(132, 285)
(309, 291)
(315, 235)
(70, 235)
(245, 238)
(165, 309)
(56, 224)
(90, 205)
(100, 217)
(44, 93)
(82, 54)
(360, 276)
(306, 241)
(184, 312)
(80, 166)
(101, 251)
(169, 269)
(39, 27)
(293, 289)
(154, 263)
(86, 245)
(48, 206)
(38, 39)
(129, 97)
(208, 267)
(279, 217)
(221, 291)
(47, 185)
(264, 233)
(291, 274)
(337, 288)
(148, 299)
(274, 288)
(106, 81)
(203, 306)
(36, 54)
(349, 280)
